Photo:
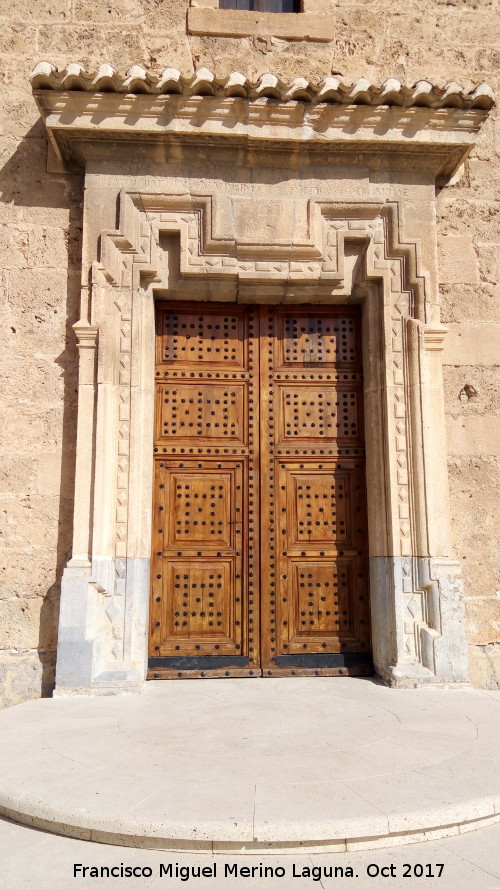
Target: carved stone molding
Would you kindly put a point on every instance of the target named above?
(133, 256)
(434, 338)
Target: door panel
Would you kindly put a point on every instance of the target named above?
(213, 442)
(205, 558)
(314, 580)
(200, 588)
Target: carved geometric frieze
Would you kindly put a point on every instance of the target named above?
(315, 259)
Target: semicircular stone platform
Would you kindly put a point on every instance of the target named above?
(255, 765)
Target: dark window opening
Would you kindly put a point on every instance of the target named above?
(262, 5)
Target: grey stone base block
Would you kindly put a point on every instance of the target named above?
(102, 645)
(418, 620)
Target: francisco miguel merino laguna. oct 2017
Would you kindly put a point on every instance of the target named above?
(184, 872)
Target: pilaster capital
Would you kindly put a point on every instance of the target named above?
(86, 334)
(434, 337)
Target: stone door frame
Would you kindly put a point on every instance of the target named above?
(416, 589)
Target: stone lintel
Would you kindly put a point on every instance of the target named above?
(242, 23)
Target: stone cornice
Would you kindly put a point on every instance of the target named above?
(84, 113)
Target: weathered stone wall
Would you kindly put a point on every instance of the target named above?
(40, 227)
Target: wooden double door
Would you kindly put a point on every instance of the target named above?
(259, 558)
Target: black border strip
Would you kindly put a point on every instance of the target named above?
(201, 662)
(316, 661)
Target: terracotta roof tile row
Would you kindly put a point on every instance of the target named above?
(268, 86)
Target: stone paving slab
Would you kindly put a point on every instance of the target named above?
(31, 859)
(259, 766)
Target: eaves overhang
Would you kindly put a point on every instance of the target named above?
(107, 114)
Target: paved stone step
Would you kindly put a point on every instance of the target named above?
(257, 766)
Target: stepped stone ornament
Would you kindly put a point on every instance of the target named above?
(186, 200)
